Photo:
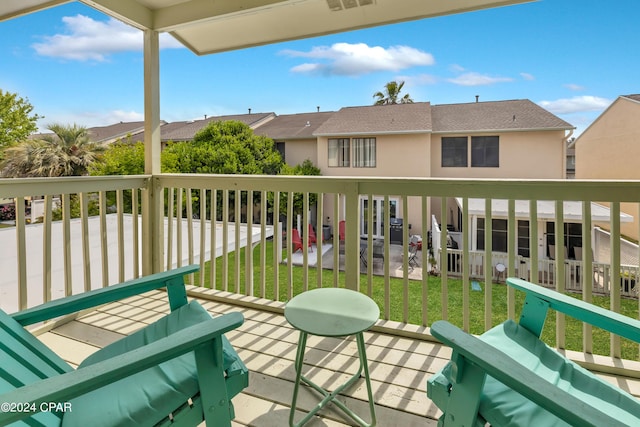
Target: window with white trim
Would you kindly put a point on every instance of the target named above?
(339, 152)
(364, 152)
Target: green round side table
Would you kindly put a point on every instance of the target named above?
(332, 312)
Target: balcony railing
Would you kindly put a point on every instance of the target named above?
(146, 223)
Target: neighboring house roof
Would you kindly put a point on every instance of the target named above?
(520, 114)
(106, 134)
(165, 128)
(635, 97)
(187, 131)
(378, 119)
(116, 131)
(294, 126)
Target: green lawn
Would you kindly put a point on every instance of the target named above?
(434, 305)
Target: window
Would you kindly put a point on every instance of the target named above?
(280, 149)
(339, 152)
(485, 151)
(364, 152)
(523, 238)
(572, 238)
(498, 235)
(454, 151)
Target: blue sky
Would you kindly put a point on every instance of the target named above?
(573, 57)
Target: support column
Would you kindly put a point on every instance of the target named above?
(152, 200)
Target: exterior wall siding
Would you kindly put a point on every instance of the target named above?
(535, 155)
(610, 149)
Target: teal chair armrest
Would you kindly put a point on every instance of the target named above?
(616, 323)
(172, 280)
(72, 384)
(471, 350)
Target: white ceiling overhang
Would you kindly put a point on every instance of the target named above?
(209, 26)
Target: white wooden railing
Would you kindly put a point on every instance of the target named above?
(574, 272)
(176, 228)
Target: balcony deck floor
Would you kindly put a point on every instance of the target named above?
(399, 367)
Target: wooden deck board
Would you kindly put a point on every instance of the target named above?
(399, 366)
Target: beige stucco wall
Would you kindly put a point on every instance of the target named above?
(297, 151)
(396, 156)
(535, 155)
(610, 149)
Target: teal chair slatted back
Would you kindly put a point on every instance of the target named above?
(24, 359)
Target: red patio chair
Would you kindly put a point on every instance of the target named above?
(341, 226)
(312, 235)
(296, 241)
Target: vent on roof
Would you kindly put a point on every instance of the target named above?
(336, 5)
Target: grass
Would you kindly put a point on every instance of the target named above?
(454, 302)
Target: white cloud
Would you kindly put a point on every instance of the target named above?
(355, 59)
(477, 79)
(86, 39)
(576, 104)
(527, 76)
(574, 87)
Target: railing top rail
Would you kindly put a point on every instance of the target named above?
(21, 187)
(519, 189)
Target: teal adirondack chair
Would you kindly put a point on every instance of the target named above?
(180, 370)
(509, 377)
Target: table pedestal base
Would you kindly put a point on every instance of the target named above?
(331, 396)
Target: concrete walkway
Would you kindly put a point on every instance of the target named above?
(9, 261)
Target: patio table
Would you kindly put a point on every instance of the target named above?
(332, 312)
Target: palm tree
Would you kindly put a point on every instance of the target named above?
(391, 95)
(68, 152)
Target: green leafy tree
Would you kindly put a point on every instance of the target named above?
(306, 168)
(228, 147)
(16, 119)
(120, 158)
(391, 95)
(69, 152)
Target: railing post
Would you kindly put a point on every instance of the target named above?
(352, 237)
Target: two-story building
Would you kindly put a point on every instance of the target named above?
(500, 139)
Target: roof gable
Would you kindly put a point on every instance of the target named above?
(379, 119)
(519, 114)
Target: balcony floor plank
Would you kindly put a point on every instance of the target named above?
(399, 366)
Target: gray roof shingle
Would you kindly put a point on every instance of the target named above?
(520, 114)
(379, 119)
(294, 126)
(635, 97)
(189, 129)
(118, 130)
